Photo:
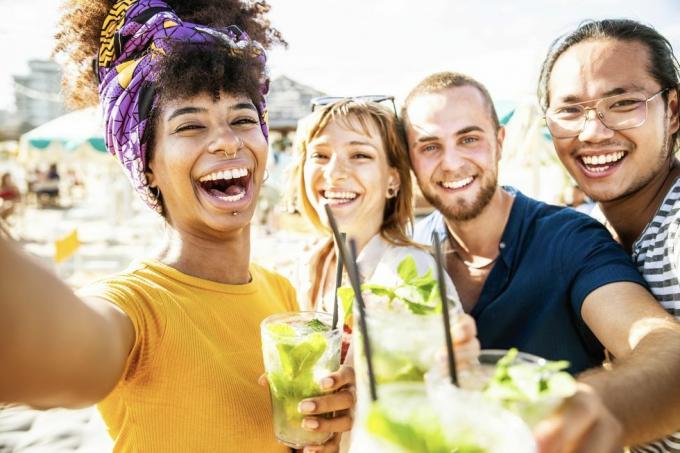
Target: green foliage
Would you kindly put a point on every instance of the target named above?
(419, 293)
(421, 432)
(524, 387)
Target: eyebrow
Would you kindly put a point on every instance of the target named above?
(186, 111)
(613, 92)
(360, 143)
(189, 110)
(324, 143)
(463, 131)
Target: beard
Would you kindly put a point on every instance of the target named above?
(461, 210)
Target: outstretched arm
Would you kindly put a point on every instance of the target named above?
(57, 350)
(638, 398)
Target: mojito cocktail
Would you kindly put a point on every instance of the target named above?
(525, 384)
(299, 350)
(418, 417)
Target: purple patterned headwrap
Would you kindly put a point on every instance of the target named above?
(135, 35)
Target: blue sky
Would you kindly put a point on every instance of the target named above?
(384, 46)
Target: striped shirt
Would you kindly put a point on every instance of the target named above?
(657, 256)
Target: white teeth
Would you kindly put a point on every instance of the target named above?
(343, 195)
(232, 198)
(457, 184)
(225, 174)
(603, 158)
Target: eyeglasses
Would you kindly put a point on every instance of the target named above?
(326, 100)
(618, 112)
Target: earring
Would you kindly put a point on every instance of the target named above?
(392, 192)
(156, 192)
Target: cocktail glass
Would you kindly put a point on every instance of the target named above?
(415, 417)
(537, 387)
(299, 350)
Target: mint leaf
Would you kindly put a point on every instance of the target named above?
(281, 329)
(407, 269)
(317, 326)
(410, 294)
(530, 390)
(378, 290)
(424, 280)
(420, 432)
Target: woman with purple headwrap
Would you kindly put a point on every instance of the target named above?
(169, 348)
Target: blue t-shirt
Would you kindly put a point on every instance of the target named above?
(550, 259)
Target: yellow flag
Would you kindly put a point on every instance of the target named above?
(66, 246)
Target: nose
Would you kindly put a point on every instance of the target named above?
(452, 159)
(226, 141)
(335, 169)
(594, 130)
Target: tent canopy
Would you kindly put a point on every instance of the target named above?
(69, 132)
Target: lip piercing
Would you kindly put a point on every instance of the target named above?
(235, 213)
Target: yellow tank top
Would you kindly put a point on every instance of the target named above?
(190, 382)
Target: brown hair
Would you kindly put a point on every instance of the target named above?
(443, 80)
(398, 215)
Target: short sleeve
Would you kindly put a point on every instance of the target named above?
(591, 258)
(144, 311)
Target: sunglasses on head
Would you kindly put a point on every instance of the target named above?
(326, 100)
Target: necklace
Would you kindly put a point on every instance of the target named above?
(474, 266)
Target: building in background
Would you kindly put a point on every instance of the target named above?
(288, 101)
(37, 94)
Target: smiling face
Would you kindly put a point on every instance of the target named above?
(208, 162)
(454, 149)
(610, 164)
(348, 169)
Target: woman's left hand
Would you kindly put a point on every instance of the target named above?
(341, 402)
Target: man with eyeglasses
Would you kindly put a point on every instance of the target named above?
(545, 279)
(610, 94)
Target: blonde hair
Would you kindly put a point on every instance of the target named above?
(398, 214)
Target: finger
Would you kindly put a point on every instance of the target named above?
(605, 436)
(564, 430)
(331, 446)
(467, 353)
(344, 399)
(464, 329)
(340, 423)
(344, 376)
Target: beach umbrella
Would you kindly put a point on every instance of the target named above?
(78, 134)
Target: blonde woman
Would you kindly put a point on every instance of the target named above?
(351, 156)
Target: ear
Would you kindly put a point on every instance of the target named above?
(500, 137)
(673, 101)
(151, 178)
(393, 183)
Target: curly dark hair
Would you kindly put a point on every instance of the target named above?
(78, 43)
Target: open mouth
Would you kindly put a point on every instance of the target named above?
(457, 184)
(227, 185)
(338, 198)
(600, 163)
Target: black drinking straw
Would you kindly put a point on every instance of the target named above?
(353, 273)
(352, 269)
(338, 282)
(445, 311)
